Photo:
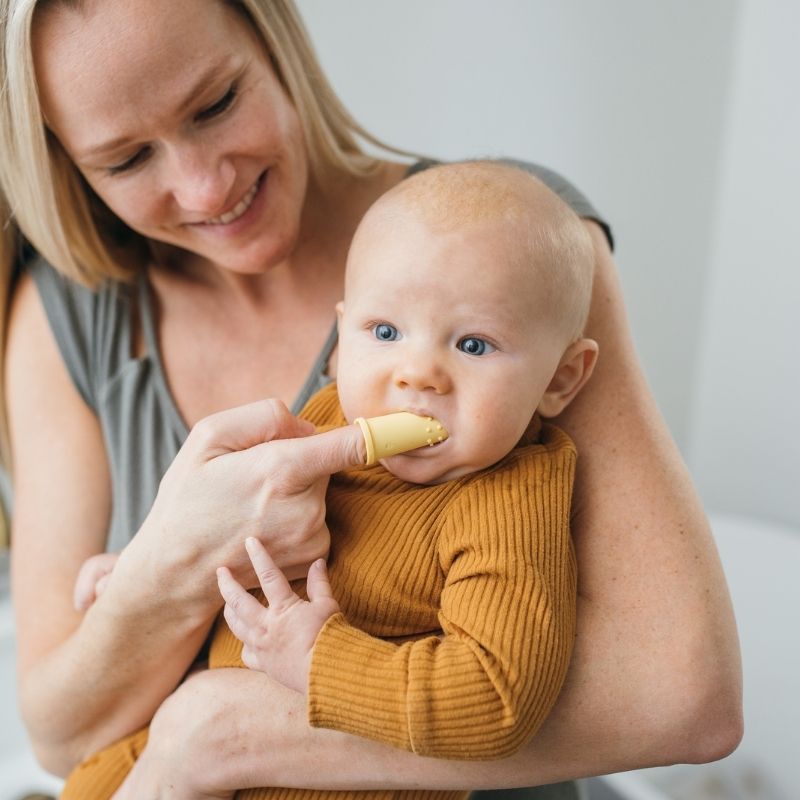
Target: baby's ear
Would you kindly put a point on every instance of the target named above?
(339, 312)
(573, 371)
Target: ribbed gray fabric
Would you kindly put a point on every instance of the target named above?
(142, 427)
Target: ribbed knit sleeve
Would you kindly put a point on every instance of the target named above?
(480, 690)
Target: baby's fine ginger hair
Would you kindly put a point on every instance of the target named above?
(538, 226)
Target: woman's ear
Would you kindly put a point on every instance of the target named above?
(573, 371)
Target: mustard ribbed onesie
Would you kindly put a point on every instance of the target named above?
(458, 613)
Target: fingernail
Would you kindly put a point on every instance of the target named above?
(250, 542)
(320, 564)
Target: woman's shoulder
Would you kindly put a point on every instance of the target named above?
(62, 292)
(556, 182)
(90, 325)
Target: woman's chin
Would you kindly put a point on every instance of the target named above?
(255, 260)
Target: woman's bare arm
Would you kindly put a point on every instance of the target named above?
(655, 677)
(84, 680)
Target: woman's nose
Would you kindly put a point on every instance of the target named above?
(200, 183)
(422, 374)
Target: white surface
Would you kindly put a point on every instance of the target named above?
(762, 563)
(20, 775)
(746, 446)
(634, 786)
(625, 97)
(11, 731)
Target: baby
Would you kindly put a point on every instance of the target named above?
(444, 621)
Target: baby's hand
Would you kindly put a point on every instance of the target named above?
(92, 579)
(278, 639)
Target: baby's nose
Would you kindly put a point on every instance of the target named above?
(422, 375)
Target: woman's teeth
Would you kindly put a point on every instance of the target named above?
(237, 210)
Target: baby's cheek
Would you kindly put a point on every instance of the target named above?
(348, 394)
(495, 432)
(357, 388)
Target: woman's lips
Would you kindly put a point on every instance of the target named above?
(239, 210)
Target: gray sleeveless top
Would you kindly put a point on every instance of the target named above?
(141, 424)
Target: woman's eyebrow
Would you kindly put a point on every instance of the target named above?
(205, 77)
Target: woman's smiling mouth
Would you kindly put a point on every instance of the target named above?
(239, 209)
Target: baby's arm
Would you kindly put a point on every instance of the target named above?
(93, 578)
(507, 613)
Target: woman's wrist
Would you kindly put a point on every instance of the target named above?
(163, 582)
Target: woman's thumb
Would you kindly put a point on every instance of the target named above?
(325, 453)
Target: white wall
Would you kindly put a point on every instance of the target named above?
(746, 432)
(624, 97)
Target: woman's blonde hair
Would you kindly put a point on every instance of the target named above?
(43, 197)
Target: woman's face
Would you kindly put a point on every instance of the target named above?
(175, 117)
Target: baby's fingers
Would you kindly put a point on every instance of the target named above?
(318, 586)
(92, 579)
(242, 610)
(273, 582)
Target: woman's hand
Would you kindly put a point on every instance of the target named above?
(165, 773)
(159, 774)
(176, 763)
(249, 471)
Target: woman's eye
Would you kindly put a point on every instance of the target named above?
(385, 332)
(474, 346)
(130, 163)
(222, 105)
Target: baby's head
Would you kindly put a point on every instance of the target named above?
(467, 291)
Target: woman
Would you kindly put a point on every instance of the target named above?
(193, 152)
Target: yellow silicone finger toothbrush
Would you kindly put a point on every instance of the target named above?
(396, 433)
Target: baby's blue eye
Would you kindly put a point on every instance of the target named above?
(474, 346)
(385, 332)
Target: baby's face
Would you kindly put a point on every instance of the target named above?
(445, 324)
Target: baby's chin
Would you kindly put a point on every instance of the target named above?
(424, 467)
